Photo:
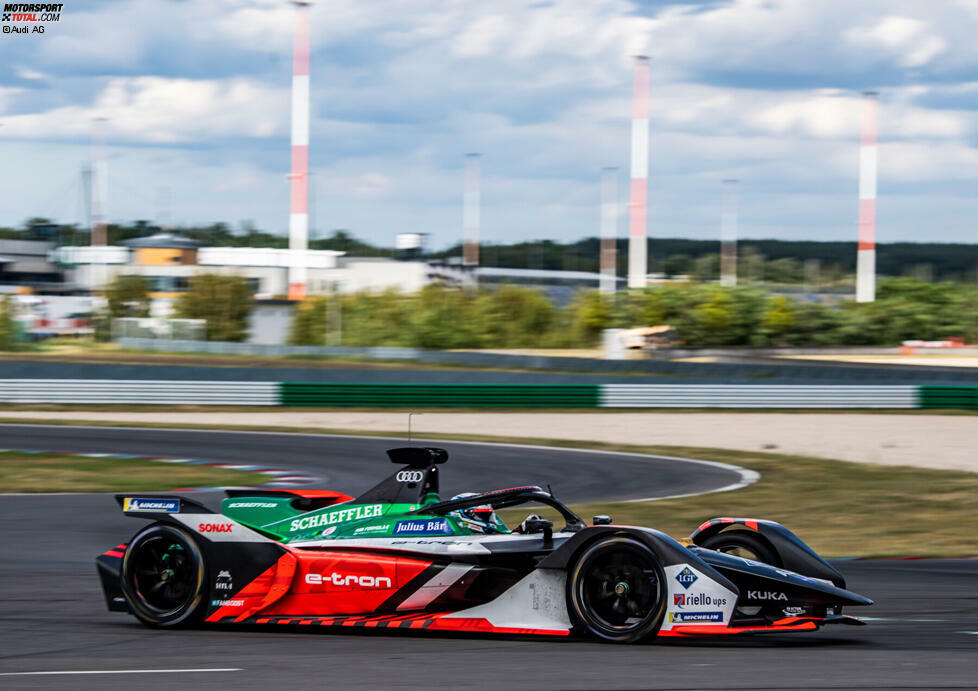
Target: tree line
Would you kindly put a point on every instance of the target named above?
(509, 316)
(701, 314)
(766, 261)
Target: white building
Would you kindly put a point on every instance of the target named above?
(168, 261)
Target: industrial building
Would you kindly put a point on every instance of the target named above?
(25, 264)
(168, 261)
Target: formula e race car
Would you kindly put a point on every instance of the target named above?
(398, 556)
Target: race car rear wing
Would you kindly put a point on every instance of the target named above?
(415, 483)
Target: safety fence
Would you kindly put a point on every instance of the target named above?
(111, 391)
(727, 371)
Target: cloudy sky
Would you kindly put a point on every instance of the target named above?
(197, 100)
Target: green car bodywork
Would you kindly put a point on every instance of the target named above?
(277, 518)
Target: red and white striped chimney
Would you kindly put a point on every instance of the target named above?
(866, 257)
(728, 234)
(609, 230)
(299, 210)
(470, 211)
(637, 229)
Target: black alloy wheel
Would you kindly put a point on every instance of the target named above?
(617, 590)
(163, 576)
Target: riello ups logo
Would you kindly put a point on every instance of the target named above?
(29, 17)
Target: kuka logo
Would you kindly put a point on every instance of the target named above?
(341, 580)
(765, 595)
(215, 527)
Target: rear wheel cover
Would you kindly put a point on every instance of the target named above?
(163, 576)
(741, 543)
(617, 591)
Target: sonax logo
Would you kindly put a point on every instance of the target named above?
(214, 527)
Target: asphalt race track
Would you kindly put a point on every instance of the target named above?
(740, 370)
(924, 632)
(354, 464)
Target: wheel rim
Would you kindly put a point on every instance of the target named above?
(164, 573)
(619, 588)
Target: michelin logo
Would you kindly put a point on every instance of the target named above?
(696, 617)
(130, 504)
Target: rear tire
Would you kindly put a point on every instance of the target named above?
(616, 590)
(163, 577)
(741, 543)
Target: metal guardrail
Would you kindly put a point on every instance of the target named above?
(756, 396)
(729, 372)
(447, 395)
(152, 392)
(143, 392)
(949, 397)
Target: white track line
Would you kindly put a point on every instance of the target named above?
(123, 671)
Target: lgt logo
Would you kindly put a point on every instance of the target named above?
(686, 577)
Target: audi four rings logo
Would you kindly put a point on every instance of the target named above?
(410, 476)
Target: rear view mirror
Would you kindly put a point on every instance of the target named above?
(601, 520)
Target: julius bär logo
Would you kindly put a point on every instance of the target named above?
(31, 14)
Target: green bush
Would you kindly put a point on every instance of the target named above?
(10, 335)
(309, 323)
(223, 301)
(702, 314)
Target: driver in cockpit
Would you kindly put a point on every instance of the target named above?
(483, 518)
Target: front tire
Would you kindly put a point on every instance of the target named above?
(616, 590)
(163, 577)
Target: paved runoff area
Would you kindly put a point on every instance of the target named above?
(926, 441)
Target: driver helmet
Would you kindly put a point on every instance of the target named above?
(478, 519)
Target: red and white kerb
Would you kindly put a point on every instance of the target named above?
(638, 232)
(866, 257)
(299, 210)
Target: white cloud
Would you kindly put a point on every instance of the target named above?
(766, 90)
(162, 110)
(838, 117)
(910, 38)
(28, 73)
